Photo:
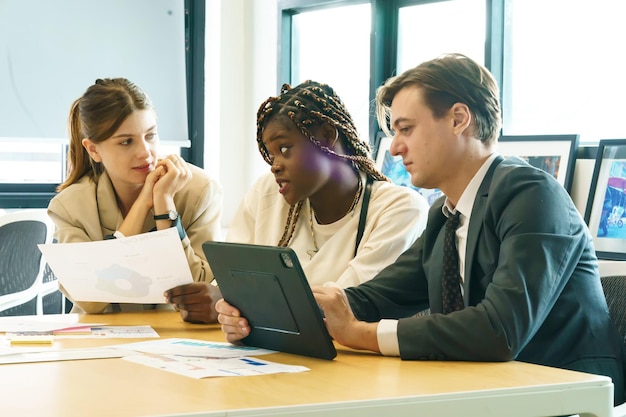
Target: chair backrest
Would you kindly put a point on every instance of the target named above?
(21, 262)
(614, 287)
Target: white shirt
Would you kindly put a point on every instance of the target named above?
(396, 217)
(387, 331)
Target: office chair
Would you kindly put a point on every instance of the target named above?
(22, 265)
(615, 292)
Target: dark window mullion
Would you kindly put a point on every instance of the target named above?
(384, 51)
(495, 43)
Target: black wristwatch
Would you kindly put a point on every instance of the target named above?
(170, 215)
(173, 216)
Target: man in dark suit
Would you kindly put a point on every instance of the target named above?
(522, 282)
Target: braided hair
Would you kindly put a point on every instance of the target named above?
(307, 105)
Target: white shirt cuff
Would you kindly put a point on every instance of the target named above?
(118, 234)
(387, 335)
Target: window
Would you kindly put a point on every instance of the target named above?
(30, 162)
(426, 31)
(325, 50)
(36, 98)
(334, 42)
(565, 72)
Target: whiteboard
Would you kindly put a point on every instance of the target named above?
(51, 51)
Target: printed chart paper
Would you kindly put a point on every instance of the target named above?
(134, 269)
(195, 367)
(194, 348)
(203, 359)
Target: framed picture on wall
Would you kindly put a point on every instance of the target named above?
(383, 143)
(555, 154)
(604, 213)
(394, 169)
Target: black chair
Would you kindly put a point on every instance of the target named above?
(614, 287)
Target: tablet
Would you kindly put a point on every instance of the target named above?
(267, 284)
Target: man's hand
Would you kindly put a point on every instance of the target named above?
(341, 322)
(195, 301)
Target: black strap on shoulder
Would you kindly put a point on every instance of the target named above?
(363, 216)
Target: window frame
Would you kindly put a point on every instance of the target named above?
(38, 195)
(384, 39)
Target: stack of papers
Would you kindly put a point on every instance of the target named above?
(187, 357)
(29, 328)
(30, 339)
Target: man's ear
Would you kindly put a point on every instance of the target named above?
(91, 149)
(461, 116)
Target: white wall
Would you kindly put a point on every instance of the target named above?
(57, 48)
(241, 72)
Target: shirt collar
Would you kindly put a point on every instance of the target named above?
(466, 202)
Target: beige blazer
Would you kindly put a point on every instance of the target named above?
(88, 211)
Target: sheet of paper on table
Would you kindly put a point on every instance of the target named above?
(194, 348)
(212, 367)
(203, 359)
(188, 357)
(28, 355)
(19, 340)
(134, 269)
(47, 322)
(93, 331)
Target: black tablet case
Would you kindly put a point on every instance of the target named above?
(267, 284)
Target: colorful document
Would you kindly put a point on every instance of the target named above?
(193, 348)
(134, 269)
(210, 367)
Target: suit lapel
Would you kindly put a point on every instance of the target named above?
(475, 226)
(108, 211)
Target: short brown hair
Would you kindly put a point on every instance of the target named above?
(446, 80)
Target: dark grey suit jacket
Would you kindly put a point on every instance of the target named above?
(532, 290)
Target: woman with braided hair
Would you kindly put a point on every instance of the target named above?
(324, 197)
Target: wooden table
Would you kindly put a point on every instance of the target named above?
(354, 384)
